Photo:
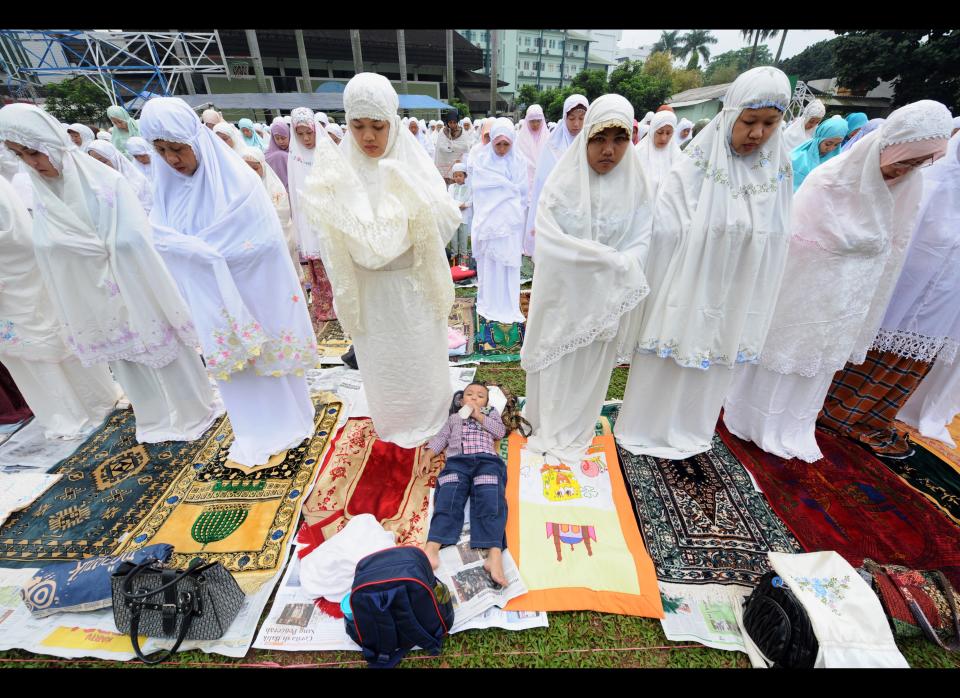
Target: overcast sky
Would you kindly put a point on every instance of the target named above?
(731, 39)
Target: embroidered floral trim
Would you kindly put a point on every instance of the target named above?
(249, 346)
(719, 175)
(702, 359)
(8, 335)
(911, 345)
(157, 350)
(609, 123)
(766, 103)
(829, 591)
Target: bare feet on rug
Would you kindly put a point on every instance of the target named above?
(494, 566)
(432, 549)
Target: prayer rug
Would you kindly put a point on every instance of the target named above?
(573, 535)
(950, 456)
(463, 319)
(364, 475)
(850, 502)
(332, 342)
(108, 486)
(702, 519)
(496, 342)
(243, 521)
(931, 477)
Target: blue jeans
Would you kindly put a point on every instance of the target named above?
(483, 478)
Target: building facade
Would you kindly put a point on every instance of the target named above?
(604, 44)
(640, 53)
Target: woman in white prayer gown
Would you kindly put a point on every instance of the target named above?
(851, 228)
(230, 135)
(220, 236)
(110, 156)
(141, 154)
(68, 400)
(593, 228)
(499, 185)
(721, 221)
(110, 289)
(387, 217)
(659, 150)
(801, 129)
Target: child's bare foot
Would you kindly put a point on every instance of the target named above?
(494, 566)
(432, 549)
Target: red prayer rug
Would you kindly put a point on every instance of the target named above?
(851, 503)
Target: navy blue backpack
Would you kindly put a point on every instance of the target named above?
(397, 603)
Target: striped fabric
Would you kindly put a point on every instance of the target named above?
(864, 400)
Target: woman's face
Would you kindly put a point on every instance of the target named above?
(371, 135)
(179, 156)
(663, 136)
(414, 127)
(225, 138)
(535, 125)
(335, 138)
(753, 128)
(247, 132)
(119, 123)
(281, 141)
(685, 133)
(255, 166)
(605, 149)
(306, 135)
(75, 137)
(142, 159)
(899, 169)
(574, 120)
(502, 147)
(812, 122)
(97, 156)
(35, 159)
(829, 144)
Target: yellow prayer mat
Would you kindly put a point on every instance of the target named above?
(242, 520)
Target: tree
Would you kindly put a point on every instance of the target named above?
(757, 35)
(783, 39)
(683, 80)
(527, 95)
(644, 91)
(659, 65)
(815, 62)
(922, 64)
(590, 83)
(669, 42)
(76, 100)
(722, 75)
(732, 63)
(695, 43)
(460, 107)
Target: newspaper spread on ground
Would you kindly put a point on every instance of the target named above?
(94, 634)
(20, 490)
(29, 449)
(708, 614)
(508, 620)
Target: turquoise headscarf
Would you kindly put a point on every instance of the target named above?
(806, 157)
(119, 136)
(253, 141)
(856, 120)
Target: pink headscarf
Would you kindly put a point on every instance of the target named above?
(276, 156)
(530, 143)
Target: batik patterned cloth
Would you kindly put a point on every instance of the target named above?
(364, 475)
(851, 503)
(702, 519)
(931, 477)
(463, 319)
(321, 293)
(332, 341)
(222, 514)
(950, 456)
(864, 400)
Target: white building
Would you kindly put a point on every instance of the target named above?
(604, 44)
(639, 53)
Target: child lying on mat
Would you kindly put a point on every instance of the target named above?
(473, 470)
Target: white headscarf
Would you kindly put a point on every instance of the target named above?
(221, 238)
(529, 144)
(141, 186)
(499, 198)
(655, 162)
(796, 133)
(104, 136)
(236, 138)
(335, 130)
(321, 118)
(28, 321)
(299, 164)
(211, 116)
(279, 199)
(683, 125)
(93, 242)
(730, 215)
(86, 134)
(373, 210)
(137, 146)
(592, 234)
(851, 229)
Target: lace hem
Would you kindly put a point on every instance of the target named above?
(158, 351)
(702, 360)
(933, 137)
(919, 347)
(807, 369)
(604, 331)
(609, 123)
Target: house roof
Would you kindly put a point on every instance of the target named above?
(593, 58)
(700, 94)
(573, 34)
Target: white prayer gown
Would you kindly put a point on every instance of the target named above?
(68, 400)
(850, 234)
(935, 403)
(593, 232)
(109, 287)
(386, 222)
(219, 234)
(712, 308)
(795, 133)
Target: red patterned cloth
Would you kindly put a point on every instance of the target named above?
(13, 408)
(321, 293)
(851, 503)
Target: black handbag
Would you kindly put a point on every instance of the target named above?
(198, 603)
(779, 626)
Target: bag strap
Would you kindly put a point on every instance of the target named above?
(160, 655)
(422, 638)
(193, 569)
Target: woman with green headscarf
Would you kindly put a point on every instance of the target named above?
(124, 126)
(251, 138)
(816, 151)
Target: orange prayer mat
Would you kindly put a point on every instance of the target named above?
(574, 537)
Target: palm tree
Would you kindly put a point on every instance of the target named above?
(757, 35)
(783, 38)
(669, 42)
(695, 43)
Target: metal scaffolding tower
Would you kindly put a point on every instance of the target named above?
(158, 62)
(801, 97)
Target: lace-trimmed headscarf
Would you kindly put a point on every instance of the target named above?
(592, 233)
(94, 248)
(138, 146)
(219, 234)
(850, 231)
(236, 139)
(86, 134)
(374, 210)
(299, 165)
(729, 213)
(656, 162)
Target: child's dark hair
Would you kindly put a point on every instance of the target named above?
(458, 396)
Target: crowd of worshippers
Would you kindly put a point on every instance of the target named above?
(789, 274)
